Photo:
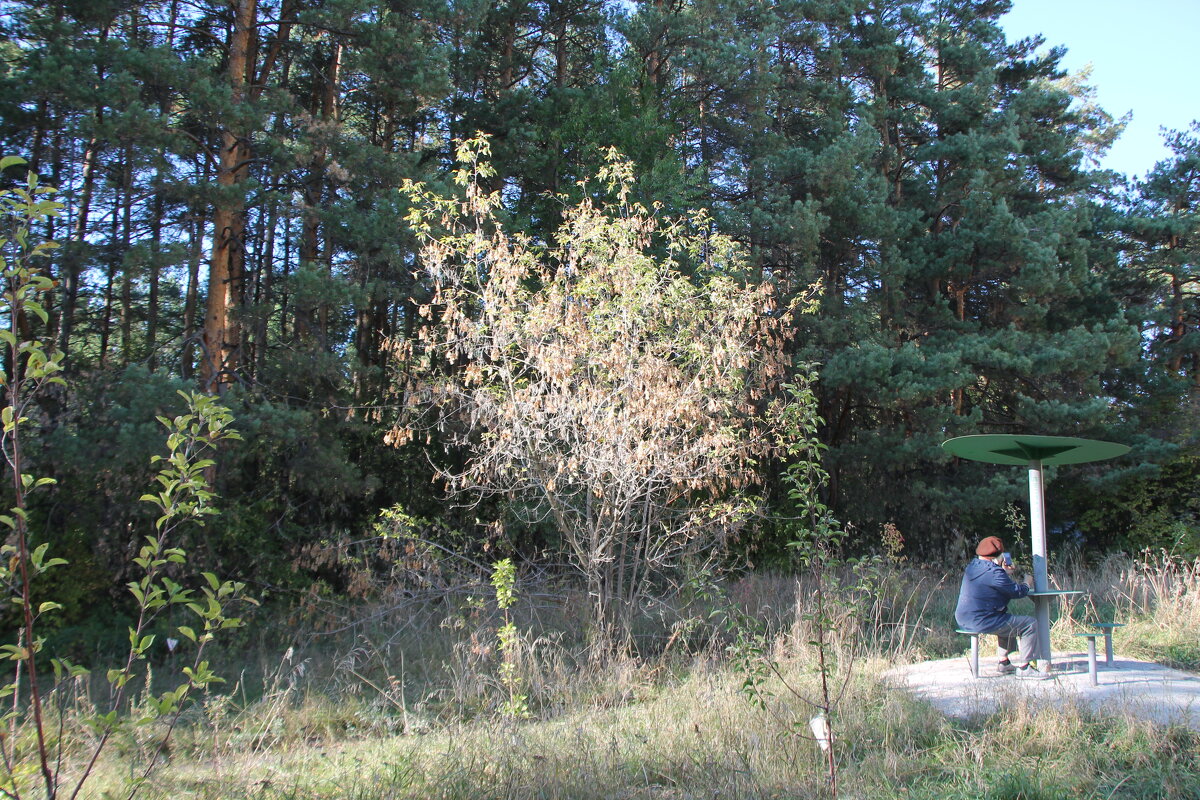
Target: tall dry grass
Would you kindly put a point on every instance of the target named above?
(411, 711)
(1155, 596)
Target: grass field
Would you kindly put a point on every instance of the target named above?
(407, 703)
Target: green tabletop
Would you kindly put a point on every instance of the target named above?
(1055, 593)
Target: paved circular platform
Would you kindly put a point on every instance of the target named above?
(1151, 691)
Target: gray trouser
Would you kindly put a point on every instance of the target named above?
(1017, 633)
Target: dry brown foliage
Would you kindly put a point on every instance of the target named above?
(611, 379)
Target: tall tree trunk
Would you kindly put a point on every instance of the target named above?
(560, 49)
(264, 297)
(284, 298)
(655, 59)
(313, 321)
(507, 54)
(331, 113)
(72, 265)
(127, 276)
(110, 278)
(226, 269)
(156, 214)
(42, 122)
(55, 179)
(1178, 319)
(172, 24)
(191, 298)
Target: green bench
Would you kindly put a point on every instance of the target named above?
(1105, 630)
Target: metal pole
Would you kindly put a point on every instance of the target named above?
(1092, 660)
(1037, 529)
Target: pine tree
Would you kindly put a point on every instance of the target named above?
(958, 294)
(1166, 224)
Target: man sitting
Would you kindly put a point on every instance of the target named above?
(987, 586)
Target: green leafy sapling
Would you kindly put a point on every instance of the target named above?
(28, 366)
(182, 497)
(504, 580)
(816, 539)
(840, 586)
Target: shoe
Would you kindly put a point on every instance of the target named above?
(1005, 668)
(1028, 671)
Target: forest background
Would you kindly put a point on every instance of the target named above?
(234, 221)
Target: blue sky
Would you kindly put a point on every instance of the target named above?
(1145, 56)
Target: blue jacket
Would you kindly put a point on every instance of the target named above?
(983, 598)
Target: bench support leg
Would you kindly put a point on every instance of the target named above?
(1092, 660)
(1108, 650)
(975, 656)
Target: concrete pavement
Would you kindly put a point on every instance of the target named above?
(1144, 689)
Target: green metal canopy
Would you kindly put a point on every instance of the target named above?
(1019, 450)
